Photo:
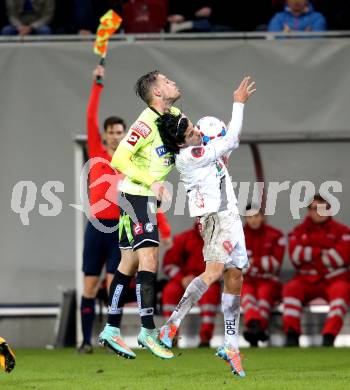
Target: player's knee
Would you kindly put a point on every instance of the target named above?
(211, 276)
(150, 265)
(91, 285)
(148, 259)
(128, 268)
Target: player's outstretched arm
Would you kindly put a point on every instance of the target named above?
(95, 146)
(240, 97)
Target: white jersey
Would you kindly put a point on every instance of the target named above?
(204, 174)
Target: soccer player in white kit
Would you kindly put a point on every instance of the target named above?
(212, 200)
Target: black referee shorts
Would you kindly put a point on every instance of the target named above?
(100, 249)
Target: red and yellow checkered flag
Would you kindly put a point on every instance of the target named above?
(109, 23)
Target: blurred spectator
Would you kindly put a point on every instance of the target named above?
(248, 15)
(336, 12)
(62, 22)
(261, 288)
(219, 15)
(144, 16)
(87, 14)
(187, 16)
(29, 17)
(298, 15)
(182, 263)
(3, 19)
(319, 249)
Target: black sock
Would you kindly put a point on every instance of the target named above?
(117, 293)
(87, 313)
(145, 293)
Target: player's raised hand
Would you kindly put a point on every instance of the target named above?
(245, 89)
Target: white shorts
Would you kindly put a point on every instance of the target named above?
(224, 239)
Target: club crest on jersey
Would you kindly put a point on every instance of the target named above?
(149, 227)
(141, 128)
(197, 152)
(161, 150)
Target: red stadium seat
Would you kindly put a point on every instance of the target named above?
(142, 16)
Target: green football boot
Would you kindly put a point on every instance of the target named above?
(148, 338)
(110, 337)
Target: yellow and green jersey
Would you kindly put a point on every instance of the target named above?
(149, 160)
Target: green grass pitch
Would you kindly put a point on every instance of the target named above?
(266, 368)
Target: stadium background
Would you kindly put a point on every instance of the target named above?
(303, 96)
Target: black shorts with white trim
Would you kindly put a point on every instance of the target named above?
(138, 221)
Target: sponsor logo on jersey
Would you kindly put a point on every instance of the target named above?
(138, 229)
(161, 150)
(197, 152)
(133, 138)
(141, 128)
(149, 227)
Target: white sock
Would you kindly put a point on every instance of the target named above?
(231, 308)
(191, 296)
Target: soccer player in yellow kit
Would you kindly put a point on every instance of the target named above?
(145, 162)
(7, 357)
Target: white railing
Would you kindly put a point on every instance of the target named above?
(183, 36)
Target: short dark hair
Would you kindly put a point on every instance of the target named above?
(143, 85)
(114, 120)
(253, 206)
(172, 130)
(319, 198)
